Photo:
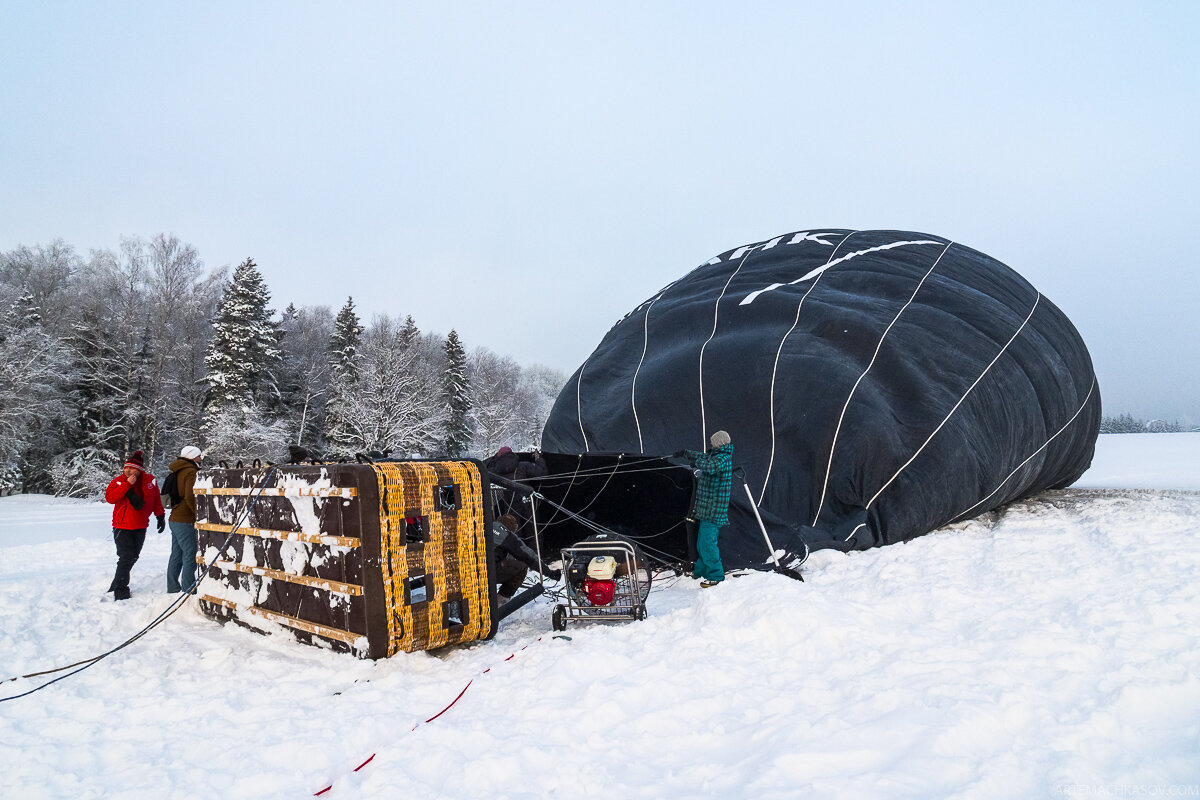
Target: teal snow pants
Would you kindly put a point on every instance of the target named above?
(708, 557)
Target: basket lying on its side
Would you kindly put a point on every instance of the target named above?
(371, 559)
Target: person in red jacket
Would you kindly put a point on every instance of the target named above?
(134, 496)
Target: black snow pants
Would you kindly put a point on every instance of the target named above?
(129, 547)
(510, 573)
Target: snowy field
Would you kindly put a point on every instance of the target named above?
(1048, 651)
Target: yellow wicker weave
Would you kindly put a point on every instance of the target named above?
(453, 560)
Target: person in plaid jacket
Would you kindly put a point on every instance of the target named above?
(714, 471)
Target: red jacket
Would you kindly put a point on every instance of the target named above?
(125, 516)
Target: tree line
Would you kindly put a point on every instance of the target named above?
(1127, 423)
(144, 348)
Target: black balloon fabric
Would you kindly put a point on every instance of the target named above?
(877, 385)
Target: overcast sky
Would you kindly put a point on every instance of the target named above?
(528, 172)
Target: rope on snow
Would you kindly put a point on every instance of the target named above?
(448, 706)
(174, 606)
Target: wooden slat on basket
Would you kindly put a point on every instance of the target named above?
(291, 622)
(287, 536)
(346, 492)
(274, 574)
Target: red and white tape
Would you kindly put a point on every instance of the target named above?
(329, 788)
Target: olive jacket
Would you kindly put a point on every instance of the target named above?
(185, 511)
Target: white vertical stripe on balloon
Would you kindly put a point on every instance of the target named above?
(959, 403)
(645, 345)
(999, 486)
(1082, 406)
(775, 369)
(578, 410)
(716, 307)
(841, 417)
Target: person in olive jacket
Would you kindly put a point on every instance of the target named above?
(181, 566)
(134, 496)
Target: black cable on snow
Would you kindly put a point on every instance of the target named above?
(175, 605)
(663, 557)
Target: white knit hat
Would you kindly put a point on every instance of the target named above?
(719, 439)
(192, 452)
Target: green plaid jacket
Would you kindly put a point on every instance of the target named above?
(713, 484)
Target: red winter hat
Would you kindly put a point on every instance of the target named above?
(135, 460)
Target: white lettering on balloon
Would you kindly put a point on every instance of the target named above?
(750, 298)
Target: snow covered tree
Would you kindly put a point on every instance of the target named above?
(1127, 423)
(1122, 423)
(245, 343)
(509, 404)
(394, 406)
(118, 303)
(456, 435)
(540, 385)
(178, 303)
(499, 414)
(345, 343)
(34, 409)
(410, 334)
(138, 408)
(305, 371)
(24, 313)
(244, 435)
(47, 273)
(344, 355)
(141, 347)
(242, 359)
(187, 389)
(100, 396)
(101, 309)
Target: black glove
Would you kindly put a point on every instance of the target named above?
(162, 523)
(134, 496)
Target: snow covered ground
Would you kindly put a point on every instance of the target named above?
(1145, 461)
(1051, 650)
